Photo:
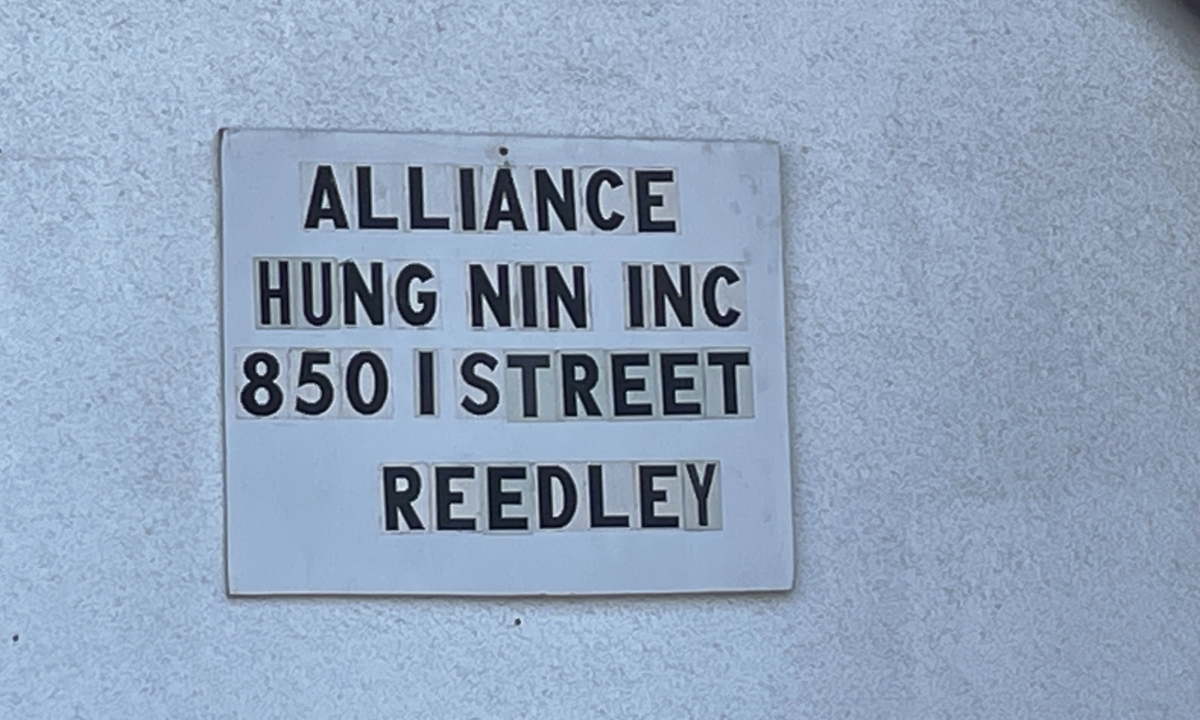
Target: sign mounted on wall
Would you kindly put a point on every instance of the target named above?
(503, 365)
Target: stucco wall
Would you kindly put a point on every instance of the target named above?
(993, 212)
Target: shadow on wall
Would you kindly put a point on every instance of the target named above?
(1182, 17)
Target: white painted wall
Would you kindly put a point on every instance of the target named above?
(994, 304)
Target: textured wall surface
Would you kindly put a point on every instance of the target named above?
(993, 220)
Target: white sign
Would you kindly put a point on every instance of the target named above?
(503, 365)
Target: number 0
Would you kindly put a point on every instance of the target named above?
(354, 383)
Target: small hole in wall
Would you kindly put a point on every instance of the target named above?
(517, 622)
(503, 150)
(16, 638)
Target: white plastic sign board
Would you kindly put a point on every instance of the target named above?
(502, 365)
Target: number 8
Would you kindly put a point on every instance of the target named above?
(261, 381)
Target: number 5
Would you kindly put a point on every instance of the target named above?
(309, 375)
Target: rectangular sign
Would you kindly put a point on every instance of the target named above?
(503, 365)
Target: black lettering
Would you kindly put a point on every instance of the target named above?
(379, 391)
(633, 286)
(426, 383)
(426, 299)
(647, 200)
(709, 293)
(729, 362)
(622, 384)
(672, 384)
(325, 203)
(701, 489)
(355, 291)
(574, 388)
(466, 198)
(444, 497)
(680, 298)
(261, 379)
(366, 214)
(266, 293)
(529, 364)
(399, 502)
(416, 203)
(547, 195)
(609, 222)
(309, 375)
(529, 314)
(650, 496)
(307, 295)
(574, 299)
(491, 394)
(547, 474)
(505, 203)
(481, 289)
(498, 497)
(596, 500)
